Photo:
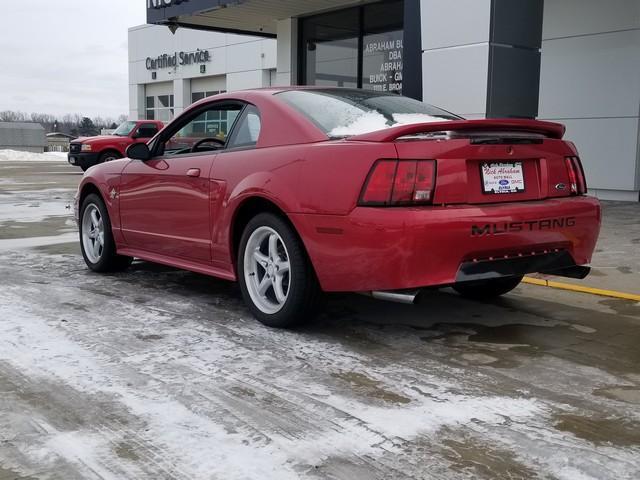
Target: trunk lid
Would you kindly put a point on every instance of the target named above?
(486, 161)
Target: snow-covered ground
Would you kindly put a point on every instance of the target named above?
(17, 156)
(34, 188)
(157, 373)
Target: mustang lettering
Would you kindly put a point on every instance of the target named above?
(525, 226)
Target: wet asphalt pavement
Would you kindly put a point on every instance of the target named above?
(157, 373)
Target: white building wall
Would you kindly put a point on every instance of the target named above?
(237, 62)
(455, 54)
(287, 61)
(590, 81)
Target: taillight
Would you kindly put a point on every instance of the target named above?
(399, 182)
(582, 179)
(577, 180)
(425, 181)
(379, 184)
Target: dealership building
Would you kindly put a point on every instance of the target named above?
(572, 61)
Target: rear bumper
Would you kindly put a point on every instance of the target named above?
(403, 248)
(555, 261)
(83, 160)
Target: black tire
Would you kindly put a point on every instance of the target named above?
(304, 293)
(109, 260)
(488, 289)
(109, 156)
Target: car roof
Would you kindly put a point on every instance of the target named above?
(300, 128)
(270, 91)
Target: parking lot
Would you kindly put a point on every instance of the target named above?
(158, 373)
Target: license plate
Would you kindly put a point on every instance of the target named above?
(502, 177)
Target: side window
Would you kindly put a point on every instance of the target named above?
(247, 132)
(212, 124)
(147, 130)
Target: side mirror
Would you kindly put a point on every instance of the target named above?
(139, 151)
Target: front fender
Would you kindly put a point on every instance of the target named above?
(106, 179)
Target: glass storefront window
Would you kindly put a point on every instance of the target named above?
(196, 96)
(357, 47)
(382, 47)
(331, 45)
(150, 108)
(160, 108)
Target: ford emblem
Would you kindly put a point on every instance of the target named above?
(504, 182)
(561, 186)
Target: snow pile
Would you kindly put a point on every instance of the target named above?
(16, 156)
(58, 154)
(373, 121)
(365, 123)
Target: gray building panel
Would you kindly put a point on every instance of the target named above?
(514, 81)
(517, 23)
(22, 136)
(514, 58)
(590, 81)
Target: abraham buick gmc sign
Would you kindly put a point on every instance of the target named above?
(164, 3)
(167, 12)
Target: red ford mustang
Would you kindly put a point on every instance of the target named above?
(296, 191)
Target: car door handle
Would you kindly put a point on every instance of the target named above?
(193, 172)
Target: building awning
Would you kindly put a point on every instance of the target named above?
(253, 17)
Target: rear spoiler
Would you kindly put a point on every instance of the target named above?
(548, 129)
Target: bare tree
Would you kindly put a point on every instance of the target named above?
(11, 116)
(98, 122)
(71, 123)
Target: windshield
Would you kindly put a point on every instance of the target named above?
(124, 129)
(342, 113)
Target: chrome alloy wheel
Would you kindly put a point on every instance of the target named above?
(267, 271)
(92, 233)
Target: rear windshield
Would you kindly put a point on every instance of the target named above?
(342, 113)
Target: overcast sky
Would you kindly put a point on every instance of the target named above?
(66, 56)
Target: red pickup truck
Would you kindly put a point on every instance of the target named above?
(86, 152)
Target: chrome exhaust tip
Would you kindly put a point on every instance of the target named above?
(399, 296)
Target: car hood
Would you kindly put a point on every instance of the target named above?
(107, 169)
(98, 138)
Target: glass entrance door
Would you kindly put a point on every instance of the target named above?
(357, 47)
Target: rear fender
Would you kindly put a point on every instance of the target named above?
(224, 208)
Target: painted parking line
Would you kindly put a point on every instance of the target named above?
(582, 289)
